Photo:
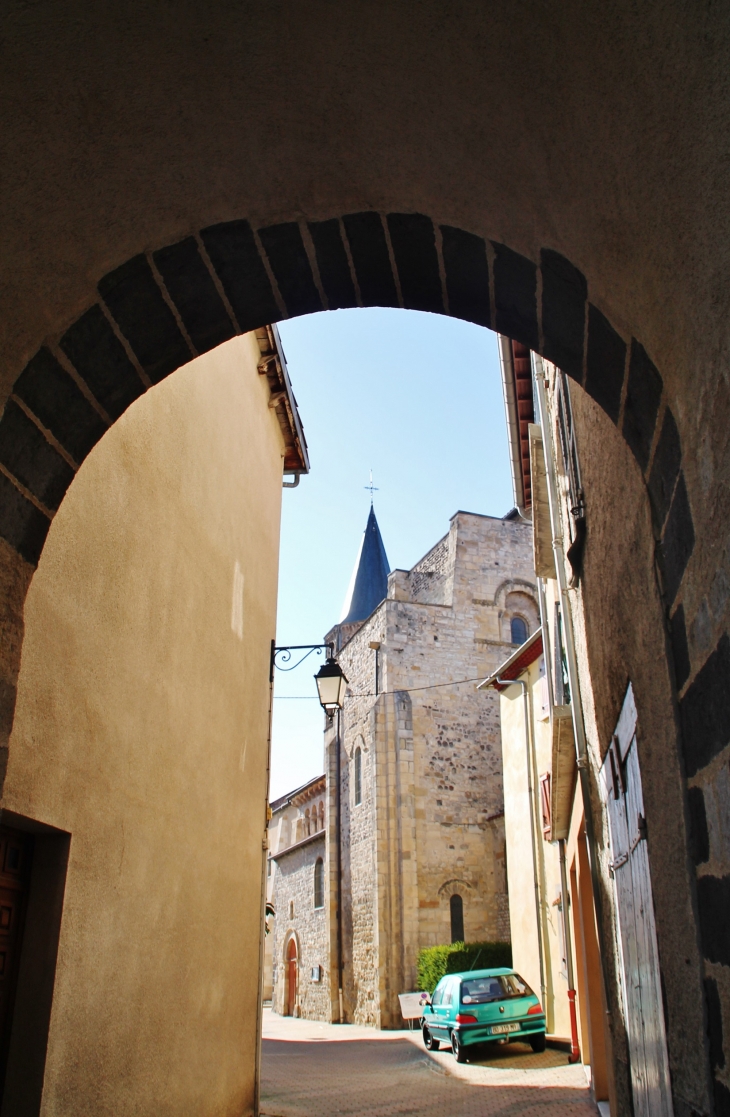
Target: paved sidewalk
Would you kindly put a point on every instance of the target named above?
(327, 1070)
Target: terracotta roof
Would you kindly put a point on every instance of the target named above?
(285, 800)
(518, 662)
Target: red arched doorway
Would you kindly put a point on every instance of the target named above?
(291, 976)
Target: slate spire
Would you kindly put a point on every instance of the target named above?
(369, 582)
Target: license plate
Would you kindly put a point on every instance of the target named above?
(500, 1029)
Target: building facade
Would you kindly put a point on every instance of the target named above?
(134, 798)
(299, 925)
(413, 767)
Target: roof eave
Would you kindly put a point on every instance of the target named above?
(273, 366)
(509, 671)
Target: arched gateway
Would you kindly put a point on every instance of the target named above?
(533, 171)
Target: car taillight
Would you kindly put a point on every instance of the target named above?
(466, 1018)
(533, 1009)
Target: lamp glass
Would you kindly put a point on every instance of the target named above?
(331, 686)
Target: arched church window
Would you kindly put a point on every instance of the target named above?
(307, 827)
(358, 776)
(457, 918)
(518, 630)
(319, 883)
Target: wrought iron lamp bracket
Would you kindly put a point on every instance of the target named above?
(283, 655)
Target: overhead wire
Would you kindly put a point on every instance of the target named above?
(373, 694)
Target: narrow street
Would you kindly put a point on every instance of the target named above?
(326, 1070)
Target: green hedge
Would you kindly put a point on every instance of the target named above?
(435, 961)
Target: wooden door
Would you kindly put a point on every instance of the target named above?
(16, 850)
(291, 977)
(621, 790)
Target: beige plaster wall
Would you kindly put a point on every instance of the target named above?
(520, 863)
(141, 729)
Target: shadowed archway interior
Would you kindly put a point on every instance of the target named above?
(161, 309)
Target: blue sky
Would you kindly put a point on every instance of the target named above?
(416, 398)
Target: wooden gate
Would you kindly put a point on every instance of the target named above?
(621, 791)
(291, 977)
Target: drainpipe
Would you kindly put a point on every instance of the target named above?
(531, 793)
(546, 654)
(574, 1056)
(572, 664)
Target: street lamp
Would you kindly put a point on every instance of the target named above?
(331, 684)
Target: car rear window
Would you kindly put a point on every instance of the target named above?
(480, 990)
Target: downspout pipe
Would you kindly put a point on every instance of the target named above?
(531, 794)
(576, 703)
(574, 1056)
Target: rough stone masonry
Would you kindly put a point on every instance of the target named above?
(429, 821)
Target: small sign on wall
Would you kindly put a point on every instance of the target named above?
(316, 973)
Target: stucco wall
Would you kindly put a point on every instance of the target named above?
(520, 864)
(141, 729)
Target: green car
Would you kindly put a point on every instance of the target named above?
(482, 1006)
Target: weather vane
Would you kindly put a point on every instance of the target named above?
(371, 487)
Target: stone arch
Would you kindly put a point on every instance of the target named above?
(453, 886)
(162, 308)
(520, 603)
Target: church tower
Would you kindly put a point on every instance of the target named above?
(368, 584)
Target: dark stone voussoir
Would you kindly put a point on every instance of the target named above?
(28, 455)
(705, 710)
(190, 286)
(664, 469)
(284, 247)
(605, 362)
(232, 250)
(467, 275)
(699, 835)
(714, 1024)
(564, 296)
(136, 304)
(57, 401)
(677, 542)
(334, 267)
(680, 648)
(22, 525)
(413, 239)
(101, 361)
(713, 903)
(369, 252)
(643, 396)
(515, 295)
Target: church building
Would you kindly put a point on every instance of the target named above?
(414, 843)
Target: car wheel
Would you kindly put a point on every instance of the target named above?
(431, 1043)
(537, 1043)
(457, 1048)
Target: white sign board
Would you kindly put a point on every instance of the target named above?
(411, 1005)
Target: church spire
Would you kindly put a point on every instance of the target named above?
(369, 582)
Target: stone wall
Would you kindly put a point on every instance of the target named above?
(297, 917)
(430, 823)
